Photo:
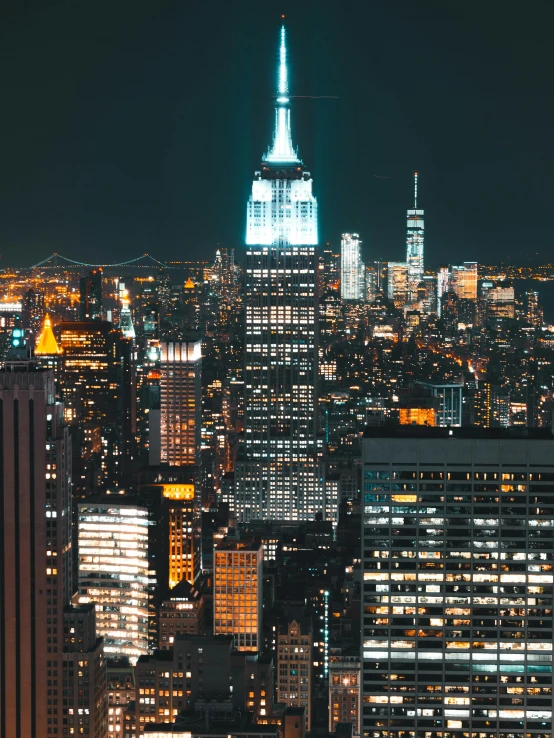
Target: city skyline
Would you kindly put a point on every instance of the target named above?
(279, 487)
(104, 168)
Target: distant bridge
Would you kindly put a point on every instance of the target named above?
(57, 261)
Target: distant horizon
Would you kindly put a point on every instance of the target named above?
(147, 140)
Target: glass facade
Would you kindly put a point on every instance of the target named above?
(180, 411)
(457, 586)
(352, 268)
(415, 241)
(113, 574)
(238, 593)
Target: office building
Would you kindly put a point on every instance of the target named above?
(85, 710)
(344, 692)
(415, 241)
(279, 473)
(36, 562)
(463, 280)
(457, 582)
(443, 285)
(180, 402)
(352, 268)
(169, 682)
(398, 285)
(32, 314)
(114, 572)
(177, 508)
(237, 592)
(294, 667)
(533, 310)
(501, 301)
(181, 612)
(35, 557)
(91, 296)
(98, 387)
(121, 696)
(449, 403)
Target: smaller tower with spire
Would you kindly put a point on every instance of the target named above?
(415, 246)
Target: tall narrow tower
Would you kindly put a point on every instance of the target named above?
(279, 472)
(414, 246)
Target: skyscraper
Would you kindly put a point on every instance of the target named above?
(414, 246)
(26, 399)
(398, 283)
(180, 411)
(114, 572)
(36, 621)
(352, 268)
(294, 666)
(457, 582)
(279, 472)
(91, 302)
(464, 280)
(238, 592)
(98, 387)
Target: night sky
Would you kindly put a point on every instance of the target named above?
(136, 125)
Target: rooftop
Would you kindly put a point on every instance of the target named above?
(514, 433)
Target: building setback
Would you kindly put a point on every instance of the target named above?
(279, 473)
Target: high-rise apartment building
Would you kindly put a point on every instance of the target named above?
(237, 593)
(457, 561)
(294, 667)
(114, 572)
(415, 241)
(279, 473)
(180, 402)
(352, 268)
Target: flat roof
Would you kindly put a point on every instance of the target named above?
(514, 433)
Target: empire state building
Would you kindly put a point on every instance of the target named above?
(280, 471)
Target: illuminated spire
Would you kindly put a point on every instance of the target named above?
(415, 190)
(47, 344)
(282, 151)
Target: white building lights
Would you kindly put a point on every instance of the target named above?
(279, 473)
(457, 582)
(282, 209)
(415, 246)
(352, 268)
(113, 573)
